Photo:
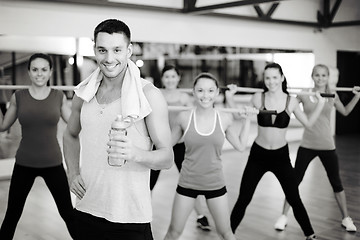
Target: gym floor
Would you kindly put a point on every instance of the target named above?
(41, 221)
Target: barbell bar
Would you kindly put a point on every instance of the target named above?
(229, 110)
(17, 87)
(189, 90)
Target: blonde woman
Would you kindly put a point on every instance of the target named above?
(317, 141)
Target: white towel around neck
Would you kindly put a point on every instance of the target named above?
(133, 100)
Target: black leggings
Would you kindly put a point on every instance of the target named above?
(3, 108)
(329, 160)
(21, 183)
(278, 162)
(179, 152)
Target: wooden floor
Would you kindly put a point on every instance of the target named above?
(41, 221)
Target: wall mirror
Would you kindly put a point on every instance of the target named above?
(230, 64)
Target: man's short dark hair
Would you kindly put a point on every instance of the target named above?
(111, 26)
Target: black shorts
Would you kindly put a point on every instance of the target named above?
(207, 193)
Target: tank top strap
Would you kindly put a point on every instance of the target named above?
(218, 122)
(262, 101)
(190, 121)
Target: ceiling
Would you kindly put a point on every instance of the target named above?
(317, 14)
(312, 13)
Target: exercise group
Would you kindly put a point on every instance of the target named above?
(122, 132)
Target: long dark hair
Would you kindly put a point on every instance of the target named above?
(40, 55)
(167, 68)
(278, 67)
(170, 67)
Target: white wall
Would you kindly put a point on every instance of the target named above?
(29, 19)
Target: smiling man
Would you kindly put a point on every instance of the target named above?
(114, 202)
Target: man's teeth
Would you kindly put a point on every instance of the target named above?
(110, 66)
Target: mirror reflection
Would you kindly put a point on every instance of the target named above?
(230, 64)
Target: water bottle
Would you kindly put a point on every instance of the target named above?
(118, 126)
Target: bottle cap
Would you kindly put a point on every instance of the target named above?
(121, 123)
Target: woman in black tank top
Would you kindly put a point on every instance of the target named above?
(270, 150)
(38, 110)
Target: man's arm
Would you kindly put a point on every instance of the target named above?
(72, 148)
(157, 123)
(65, 110)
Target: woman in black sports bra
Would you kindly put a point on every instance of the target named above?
(270, 151)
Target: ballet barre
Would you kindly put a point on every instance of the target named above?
(17, 87)
(228, 110)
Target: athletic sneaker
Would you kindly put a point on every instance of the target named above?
(348, 224)
(281, 223)
(311, 237)
(203, 223)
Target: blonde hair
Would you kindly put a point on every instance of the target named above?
(323, 66)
